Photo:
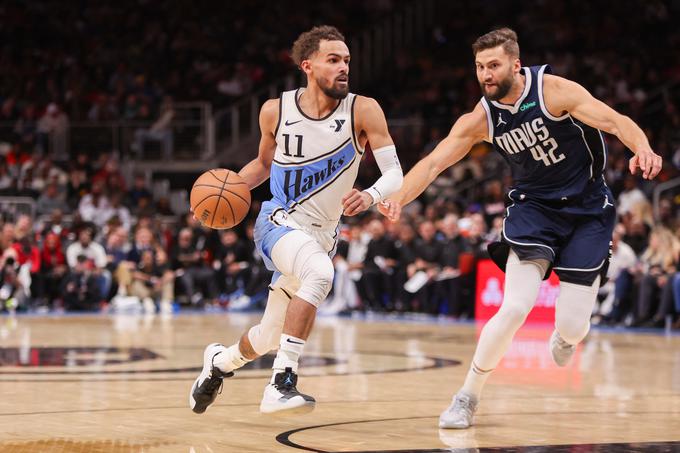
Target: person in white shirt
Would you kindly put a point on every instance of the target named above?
(95, 253)
(630, 196)
(623, 258)
(94, 205)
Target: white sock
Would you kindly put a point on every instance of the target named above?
(290, 349)
(522, 281)
(231, 359)
(475, 380)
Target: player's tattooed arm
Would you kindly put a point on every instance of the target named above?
(256, 171)
(562, 96)
(468, 130)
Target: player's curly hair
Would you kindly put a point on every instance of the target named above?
(308, 42)
(505, 37)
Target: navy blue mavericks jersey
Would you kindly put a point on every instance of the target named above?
(552, 158)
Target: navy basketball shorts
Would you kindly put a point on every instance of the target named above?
(574, 236)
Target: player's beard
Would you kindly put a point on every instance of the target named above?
(503, 88)
(332, 91)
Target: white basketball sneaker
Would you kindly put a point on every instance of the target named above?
(282, 396)
(208, 384)
(560, 350)
(460, 413)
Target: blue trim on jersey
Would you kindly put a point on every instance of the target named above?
(292, 184)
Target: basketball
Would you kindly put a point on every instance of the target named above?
(220, 199)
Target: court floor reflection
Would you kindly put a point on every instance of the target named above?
(105, 384)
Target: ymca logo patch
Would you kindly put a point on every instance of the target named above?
(338, 125)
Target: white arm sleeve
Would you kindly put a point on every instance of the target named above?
(392, 174)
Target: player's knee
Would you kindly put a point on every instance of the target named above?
(573, 309)
(571, 329)
(515, 313)
(317, 279)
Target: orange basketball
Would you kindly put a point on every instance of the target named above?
(220, 199)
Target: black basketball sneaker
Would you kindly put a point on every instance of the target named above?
(208, 384)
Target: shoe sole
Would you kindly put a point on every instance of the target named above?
(445, 426)
(304, 408)
(192, 401)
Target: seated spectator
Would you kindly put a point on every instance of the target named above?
(110, 176)
(143, 241)
(7, 237)
(406, 256)
(138, 191)
(6, 179)
(50, 200)
(658, 265)
(151, 281)
(428, 251)
(81, 289)
(379, 263)
(76, 188)
(94, 206)
(192, 270)
(13, 291)
(117, 248)
(231, 264)
(27, 255)
(118, 210)
(631, 195)
(94, 253)
(52, 267)
(448, 285)
(56, 225)
(621, 266)
(160, 131)
(344, 295)
(257, 287)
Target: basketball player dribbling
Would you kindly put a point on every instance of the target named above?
(312, 142)
(560, 213)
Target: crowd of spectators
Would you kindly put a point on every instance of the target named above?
(118, 248)
(100, 239)
(100, 61)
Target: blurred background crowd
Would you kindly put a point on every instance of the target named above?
(99, 236)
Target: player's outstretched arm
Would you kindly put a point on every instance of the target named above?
(468, 130)
(562, 95)
(370, 122)
(256, 171)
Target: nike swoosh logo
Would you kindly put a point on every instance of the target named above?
(294, 122)
(294, 342)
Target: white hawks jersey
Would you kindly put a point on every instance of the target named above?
(316, 160)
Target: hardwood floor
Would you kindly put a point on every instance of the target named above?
(120, 384)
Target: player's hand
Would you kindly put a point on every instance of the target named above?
(390, 209)
(193, 214)
(356, 201)
(648, 161)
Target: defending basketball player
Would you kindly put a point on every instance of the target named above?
(560, 211)
(312, 142)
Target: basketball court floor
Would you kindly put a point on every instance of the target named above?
(120, 384)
